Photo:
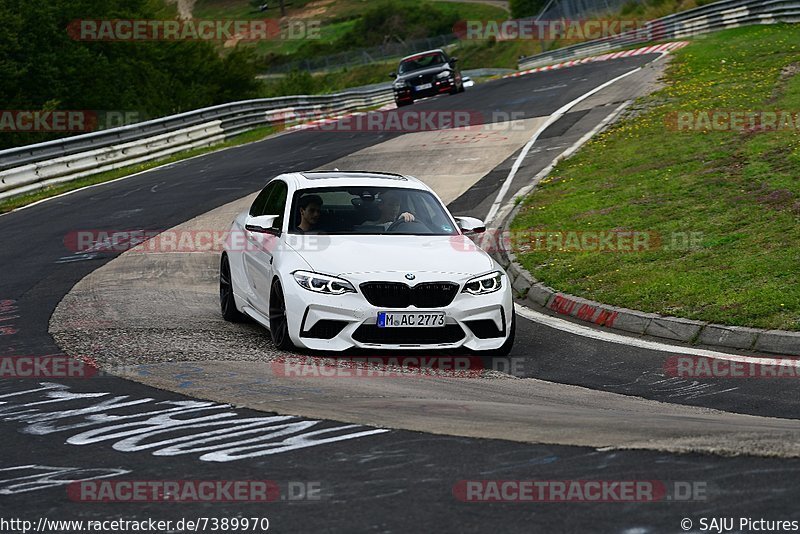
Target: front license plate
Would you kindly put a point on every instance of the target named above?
(423, 86)
(409, 319)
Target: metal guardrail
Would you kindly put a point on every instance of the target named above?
(696, 21)
(28, 168)
(32, 167)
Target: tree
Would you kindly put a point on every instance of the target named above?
(526, 8)
(43, 67)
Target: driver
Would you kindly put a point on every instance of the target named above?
(389, 207)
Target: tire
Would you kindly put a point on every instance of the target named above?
(278, 323)
(227, 302)
(401, 104)
(505, 348)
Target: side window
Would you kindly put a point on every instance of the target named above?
(260, 203)
(276, 203)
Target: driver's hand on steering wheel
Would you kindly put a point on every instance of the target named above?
(406, 216)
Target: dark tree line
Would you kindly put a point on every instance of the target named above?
(42, 67)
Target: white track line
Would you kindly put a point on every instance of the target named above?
(610, 337)
(550, 120)
(662, 50)
(523, 191)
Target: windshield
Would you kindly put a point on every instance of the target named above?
(422, 62)
(369, 210)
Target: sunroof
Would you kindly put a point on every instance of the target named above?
(322, 175)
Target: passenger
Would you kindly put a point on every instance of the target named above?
(310, 212)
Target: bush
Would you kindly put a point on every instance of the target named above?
(298, 82)
(526, 8)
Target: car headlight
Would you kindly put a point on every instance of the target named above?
(488, 283)
(400, 85)
(322, 283)
(443, 74)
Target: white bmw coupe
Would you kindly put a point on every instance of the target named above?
(335, 260)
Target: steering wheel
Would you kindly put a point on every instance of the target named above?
(399, 222)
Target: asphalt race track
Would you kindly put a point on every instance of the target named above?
(372, 478)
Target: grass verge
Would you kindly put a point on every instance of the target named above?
(737, 192)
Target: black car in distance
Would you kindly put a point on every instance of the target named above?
(426, 74)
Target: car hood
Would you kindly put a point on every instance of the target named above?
(339, 255)
(436, 69)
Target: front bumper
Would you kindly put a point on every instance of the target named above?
(438, 87)
(340, 322)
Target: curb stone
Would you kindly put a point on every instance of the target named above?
(638, 322)
(645, 323)
(540, 294)
(779, 341)
(523, 282)
(676, 328)
(631, 321)
(728, 336)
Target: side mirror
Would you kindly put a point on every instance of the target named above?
(471, 225)
(392, 75)
(453, 60)
(263, 224)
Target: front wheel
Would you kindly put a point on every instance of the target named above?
(278, 323)
(227, 303)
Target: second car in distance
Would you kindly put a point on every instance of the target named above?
(426, 74)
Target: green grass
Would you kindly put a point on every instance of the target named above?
(23, 200)
(486, 54)
(356, 76)
(336, 18)
(305, 83)
(242, 10)
(740, 191)
(653, 9)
